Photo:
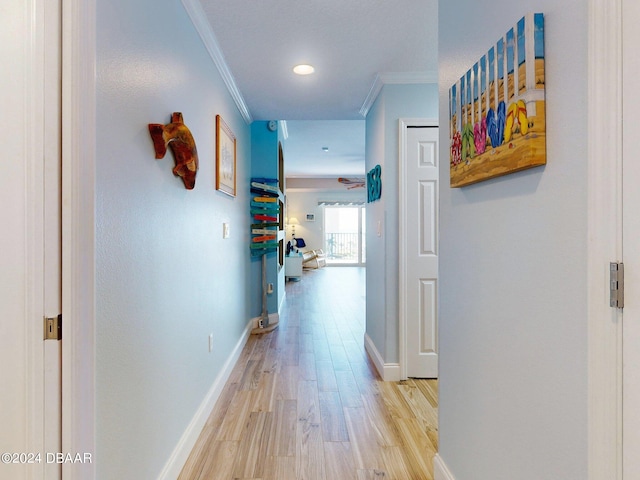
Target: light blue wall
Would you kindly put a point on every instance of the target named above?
(264, 148)
(393, 102)
(513, 256)
(165, 278)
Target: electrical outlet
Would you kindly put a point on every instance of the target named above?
(210, 342)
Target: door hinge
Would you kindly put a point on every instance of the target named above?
(616, 285)
(53, 328)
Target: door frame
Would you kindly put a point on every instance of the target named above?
(78, 221)
(403, 125)
(604, 232)
(34, 73)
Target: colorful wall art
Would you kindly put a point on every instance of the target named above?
(497, 108)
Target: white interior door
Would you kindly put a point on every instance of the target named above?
(418, 242)
(631, 242)
(20, 259)
(30, 240)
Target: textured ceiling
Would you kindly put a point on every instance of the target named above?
(350, 43)
(344, 139)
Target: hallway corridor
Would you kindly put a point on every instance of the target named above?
(305, 402)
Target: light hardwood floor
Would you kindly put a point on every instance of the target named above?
(305, 402)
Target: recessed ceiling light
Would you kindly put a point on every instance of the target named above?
(304, 69)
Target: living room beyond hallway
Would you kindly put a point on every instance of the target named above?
(305, 401)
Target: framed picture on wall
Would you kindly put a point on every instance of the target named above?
(311, 217)
(497, 108)
(225, 158)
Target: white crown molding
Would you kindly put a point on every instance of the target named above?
(371, 97)
(408, 77)
(285, 131)
(199, 20)
(397, 78)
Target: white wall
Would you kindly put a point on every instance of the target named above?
(298, 205)
(513, 391)
(301, 201)
(393, 103)
(165, 277)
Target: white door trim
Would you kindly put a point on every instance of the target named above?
(604, 238)
(34, 75)
(403, 124)
(51, 116)
(78, 250)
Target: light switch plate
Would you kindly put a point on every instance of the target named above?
(225, 230)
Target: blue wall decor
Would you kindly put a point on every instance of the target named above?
(374, 184)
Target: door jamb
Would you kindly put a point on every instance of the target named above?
(78, 221)
(33, 127)
(604, 235)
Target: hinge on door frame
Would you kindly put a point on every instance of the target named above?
(616, 285)
(53, 328)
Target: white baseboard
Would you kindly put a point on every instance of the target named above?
(390, 372)
(180, 454)
(284, 297)
(273, 318)
(440, 470)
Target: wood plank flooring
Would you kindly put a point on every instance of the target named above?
(305, 401)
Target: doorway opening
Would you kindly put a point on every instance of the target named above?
(344, 235)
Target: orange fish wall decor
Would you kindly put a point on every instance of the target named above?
(178, 137)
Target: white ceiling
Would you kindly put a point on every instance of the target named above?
(353, 45)
(305, 157)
